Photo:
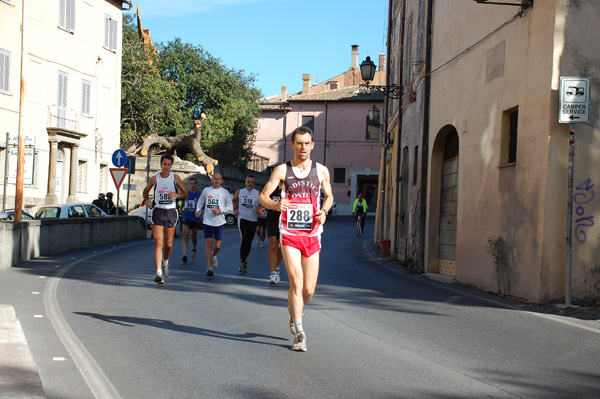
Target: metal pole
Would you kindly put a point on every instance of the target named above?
(128, 185)
(6, 159)
(569, 218)
(147, 180)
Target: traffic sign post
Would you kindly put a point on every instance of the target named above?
(574, 100)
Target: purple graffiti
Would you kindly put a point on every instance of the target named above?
(584, 196)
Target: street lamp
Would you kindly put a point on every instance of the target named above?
(367, 71)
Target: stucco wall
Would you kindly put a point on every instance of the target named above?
(31, 239)
(510, 201)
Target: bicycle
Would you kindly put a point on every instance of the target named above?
(359, 224)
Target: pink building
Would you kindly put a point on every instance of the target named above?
(346, 140)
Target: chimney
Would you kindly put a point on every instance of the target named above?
(283, 94)
(382, 62)
(307, 83)
(354, 63)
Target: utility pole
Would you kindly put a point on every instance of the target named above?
(21, 130)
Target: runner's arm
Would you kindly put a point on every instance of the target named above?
(146, 193)
(276, 178)
(326, 188)
(183, 194)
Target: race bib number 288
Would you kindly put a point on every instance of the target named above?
(300, 217)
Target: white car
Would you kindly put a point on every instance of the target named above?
(64, 211)
(141, 212)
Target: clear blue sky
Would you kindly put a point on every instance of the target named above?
(276, 40)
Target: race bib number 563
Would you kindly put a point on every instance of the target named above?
(300, 217)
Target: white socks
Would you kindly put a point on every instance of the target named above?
(298, 325)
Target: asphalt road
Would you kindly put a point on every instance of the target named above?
(99, 327)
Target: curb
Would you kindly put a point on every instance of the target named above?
(19, 377)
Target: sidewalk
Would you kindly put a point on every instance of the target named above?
(19, 376)
(583, 312)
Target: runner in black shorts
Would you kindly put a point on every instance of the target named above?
(190, 221)
(275, 256)
(164, 215)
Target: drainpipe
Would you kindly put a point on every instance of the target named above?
(399, 141)
(385, 126)
(425, 137)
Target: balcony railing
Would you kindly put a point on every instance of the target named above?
(70, 119)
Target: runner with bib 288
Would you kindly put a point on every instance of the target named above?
(301, 223)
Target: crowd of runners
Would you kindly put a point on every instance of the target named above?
(288, 211)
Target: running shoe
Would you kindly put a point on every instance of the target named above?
(273, 278)
(165, 268)
(262, 244)
(158, 279)
(277, 278)
(243, 267)
(300, 342)
(193, 254)
(258, 241)
(184, 259)
(214, 262)
(292, 326)
(209, 272)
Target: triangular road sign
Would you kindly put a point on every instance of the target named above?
(118, 175)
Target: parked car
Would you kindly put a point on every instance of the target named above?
(230, 218)
(64, 211)
(141, 212)
(9, 214)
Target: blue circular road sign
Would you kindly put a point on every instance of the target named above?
(119, 158)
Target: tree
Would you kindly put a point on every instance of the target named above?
(225, 95)
(149, 103)
(165, 89)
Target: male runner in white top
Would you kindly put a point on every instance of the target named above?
(216, 201)
(164, 214)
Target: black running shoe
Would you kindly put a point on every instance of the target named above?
(184, 259)
(209, 272)
(158, 279)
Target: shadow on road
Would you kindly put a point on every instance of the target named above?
(128, 321)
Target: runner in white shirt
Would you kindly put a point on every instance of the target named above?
(247, 209)
(216, 201)
(164, 214)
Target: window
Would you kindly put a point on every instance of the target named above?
(102, 178)
(332, 85)
(508, 151)
(512, 137)
(309, 121)
(372, 129)
(110, 33)
(66, 15)
(408, 51)
(415, 165)
(61, 101)
(82, 176)
(339, 175)
(420, 33)
(85, 97)
(4, 70)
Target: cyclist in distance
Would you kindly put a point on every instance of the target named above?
(360, 210)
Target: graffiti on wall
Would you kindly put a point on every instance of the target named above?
(583, 196)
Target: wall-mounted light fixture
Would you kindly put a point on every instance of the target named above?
(367, 71)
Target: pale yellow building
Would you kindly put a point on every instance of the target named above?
(497, 157)
(68, 55)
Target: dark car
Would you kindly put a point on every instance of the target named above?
(9, 214)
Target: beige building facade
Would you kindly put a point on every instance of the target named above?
(497, 159)
(69, 110)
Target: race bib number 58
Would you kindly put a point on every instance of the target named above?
(300, 217)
